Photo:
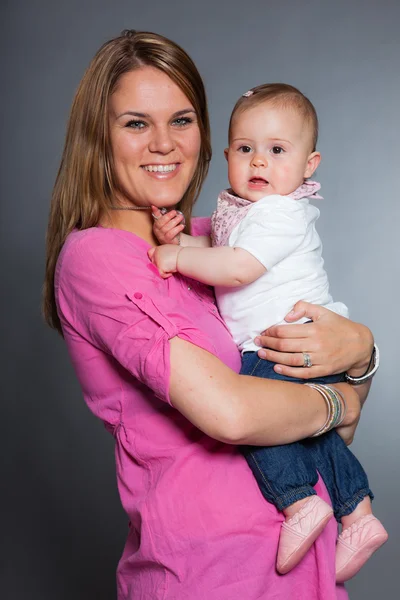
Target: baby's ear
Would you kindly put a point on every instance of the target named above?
(312, 163)
(226, 153)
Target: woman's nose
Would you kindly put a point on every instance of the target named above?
(259, 160)
(162, 141)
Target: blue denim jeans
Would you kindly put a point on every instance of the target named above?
(288, 473)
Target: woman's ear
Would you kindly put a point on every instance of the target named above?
(226, 153)
(312, 163)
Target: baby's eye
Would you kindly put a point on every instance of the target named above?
(244, 149)
(136, 124)
(277, 150)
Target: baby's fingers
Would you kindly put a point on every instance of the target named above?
(161, 217)
(170, 236)
(156, 212)
(168, 227)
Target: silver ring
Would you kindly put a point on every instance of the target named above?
(163, 211)
(306, 359)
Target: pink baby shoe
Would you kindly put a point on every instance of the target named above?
(300, 532)
(356, 544)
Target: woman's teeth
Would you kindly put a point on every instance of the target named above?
(160, 168)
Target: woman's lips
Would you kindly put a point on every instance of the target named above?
(257, 183)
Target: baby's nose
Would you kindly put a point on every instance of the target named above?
(259, 160)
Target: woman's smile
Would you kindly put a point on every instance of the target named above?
(162, 171)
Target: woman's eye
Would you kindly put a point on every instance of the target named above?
(136, 124)
(244, 149)
(182, 121)
(277, 150)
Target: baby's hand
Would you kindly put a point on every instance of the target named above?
(167, 226)
(165, 258)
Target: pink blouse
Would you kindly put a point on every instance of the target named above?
(199, 527)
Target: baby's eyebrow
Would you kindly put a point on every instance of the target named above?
(242, 140)
(281, 140)
(273, 140)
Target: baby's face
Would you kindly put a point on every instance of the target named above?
(269, 152)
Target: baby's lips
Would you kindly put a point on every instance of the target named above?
(255, 179)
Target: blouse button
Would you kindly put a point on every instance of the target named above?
(138, 295)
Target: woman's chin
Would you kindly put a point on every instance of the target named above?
(166, 200)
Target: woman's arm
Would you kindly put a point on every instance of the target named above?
(238, 409)
(335, 344)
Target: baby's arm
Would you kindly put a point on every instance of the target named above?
(225, 266)
(168, 229)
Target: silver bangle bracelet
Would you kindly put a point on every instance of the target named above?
(335, 403)
(370, 372)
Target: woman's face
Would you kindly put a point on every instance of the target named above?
(155, 138)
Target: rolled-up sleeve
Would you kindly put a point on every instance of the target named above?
(108, 296)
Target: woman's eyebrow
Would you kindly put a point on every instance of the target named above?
(184, 112)
(141, 115)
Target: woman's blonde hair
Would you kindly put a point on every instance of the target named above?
(85, 183)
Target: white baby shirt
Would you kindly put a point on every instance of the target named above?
(279, 231)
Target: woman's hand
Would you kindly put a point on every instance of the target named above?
(335, 344)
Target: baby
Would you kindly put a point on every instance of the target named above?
(263, 256)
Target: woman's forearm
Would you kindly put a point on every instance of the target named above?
(239, 409)
(272, 413)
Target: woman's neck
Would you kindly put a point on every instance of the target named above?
(139, 222)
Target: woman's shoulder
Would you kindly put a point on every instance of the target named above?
(99, 239)
(99, 242)
(99, 250)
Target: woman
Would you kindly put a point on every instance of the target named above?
(155, 360)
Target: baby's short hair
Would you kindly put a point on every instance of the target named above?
(278, 94)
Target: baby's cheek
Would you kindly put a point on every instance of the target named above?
(286, 169)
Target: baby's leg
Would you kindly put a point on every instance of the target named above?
(362, 509)
(344, 477)
(286, 475)
(347, 483)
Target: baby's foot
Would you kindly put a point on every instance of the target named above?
(300, 532)
(356, 544)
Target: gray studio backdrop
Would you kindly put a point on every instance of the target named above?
(62, 527)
